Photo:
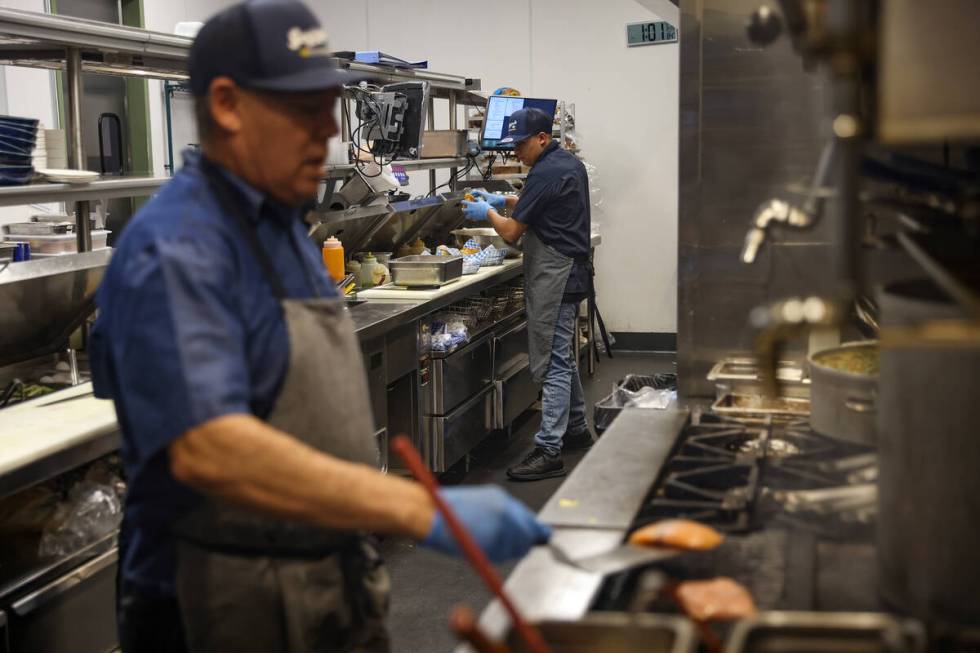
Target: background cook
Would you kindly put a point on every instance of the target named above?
(553, 215)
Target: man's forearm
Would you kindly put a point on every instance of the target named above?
(509, 229)
(242, 459)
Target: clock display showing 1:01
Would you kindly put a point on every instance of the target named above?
(650, 33)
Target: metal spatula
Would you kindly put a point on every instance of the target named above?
(621, 558)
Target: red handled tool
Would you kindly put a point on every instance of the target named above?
(462, 621)
(531, 636)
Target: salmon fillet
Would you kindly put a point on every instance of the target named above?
(677, 534)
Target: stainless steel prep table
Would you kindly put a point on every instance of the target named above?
(376, 317)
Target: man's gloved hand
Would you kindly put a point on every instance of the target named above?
(503, 527)
(493, 199)
(477, 210)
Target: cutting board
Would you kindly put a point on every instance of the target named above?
(33, 430)
(390, 291)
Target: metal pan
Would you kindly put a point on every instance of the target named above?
(843, 404)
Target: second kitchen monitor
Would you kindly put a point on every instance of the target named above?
(499, 110)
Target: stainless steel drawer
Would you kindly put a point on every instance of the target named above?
(449, 438)
(402, 351)
(508, 347)
(375, 368)
(514, 392)
(459, 376)
(75, 613)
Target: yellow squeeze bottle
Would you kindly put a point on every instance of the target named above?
(333, 258)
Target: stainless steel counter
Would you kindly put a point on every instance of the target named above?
(590, 513)
(75, 441)
(377, 316)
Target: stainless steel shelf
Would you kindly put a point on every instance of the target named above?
(104, 188)
(342, 170)
(40, 40)
(441, 84)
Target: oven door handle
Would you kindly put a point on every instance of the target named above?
(58, 587)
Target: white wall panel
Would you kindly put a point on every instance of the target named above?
(626, 103)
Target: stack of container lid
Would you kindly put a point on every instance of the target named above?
(18, 138)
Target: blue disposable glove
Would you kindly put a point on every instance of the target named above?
(503, 527)
(477, 210)
(493, 199)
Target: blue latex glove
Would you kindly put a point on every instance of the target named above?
(493, 199)
(476, 210)
(503, 527)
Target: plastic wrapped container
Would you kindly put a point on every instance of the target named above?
(607, 409)
(58, 243)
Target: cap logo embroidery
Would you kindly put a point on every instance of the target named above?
(307, 43)
(512, 127)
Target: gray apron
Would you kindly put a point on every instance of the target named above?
(546, 272)
(247, 582)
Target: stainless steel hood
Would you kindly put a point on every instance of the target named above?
(43, 301)
(406, 223)
(431, 219)
(386, 227)
(449, 216)
(354, 227)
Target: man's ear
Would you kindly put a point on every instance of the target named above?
(225, 98)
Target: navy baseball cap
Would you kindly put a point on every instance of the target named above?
(525, 123)
(267, 45)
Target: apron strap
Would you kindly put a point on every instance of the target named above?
(231, 201)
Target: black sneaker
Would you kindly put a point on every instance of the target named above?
(537, 465)
(578, 441)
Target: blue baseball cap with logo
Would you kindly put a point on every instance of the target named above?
(525, 123)
(266, 45)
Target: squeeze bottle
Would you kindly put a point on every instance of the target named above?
(333, 258)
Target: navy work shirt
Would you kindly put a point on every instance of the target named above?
(189, 330)
(555, 206)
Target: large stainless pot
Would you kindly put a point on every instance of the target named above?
(928, 531)
(843, 404)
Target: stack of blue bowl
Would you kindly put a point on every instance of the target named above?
(18, 137)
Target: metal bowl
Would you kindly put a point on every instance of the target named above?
(484, 236)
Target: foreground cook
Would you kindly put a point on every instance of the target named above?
(553, 216)
(239, 385)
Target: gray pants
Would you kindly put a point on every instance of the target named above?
(276, 605)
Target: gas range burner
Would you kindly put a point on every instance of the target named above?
(718, 494)
(742, 442)
(733, 474)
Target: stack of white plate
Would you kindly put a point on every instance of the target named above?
(56, 148)
(40, 154)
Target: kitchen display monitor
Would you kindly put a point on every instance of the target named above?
(499, 110)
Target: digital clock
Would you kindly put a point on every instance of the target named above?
(650, 33)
